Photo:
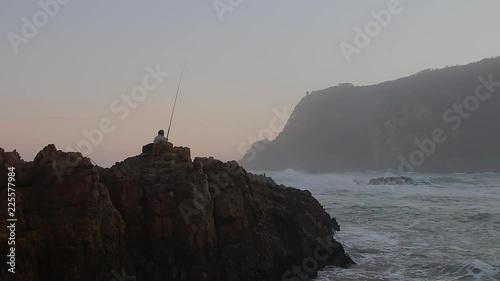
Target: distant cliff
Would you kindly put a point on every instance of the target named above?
(436, 121)
(167, 218)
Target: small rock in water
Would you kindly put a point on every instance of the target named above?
(391, 181)
(396, 181)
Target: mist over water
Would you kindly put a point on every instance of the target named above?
(447, 231)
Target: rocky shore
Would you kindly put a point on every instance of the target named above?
(162, 218)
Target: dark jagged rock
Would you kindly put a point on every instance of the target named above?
(262, 178)
(67, 227)
(396, 181)
(428, 183)
(391, 181)
(335, 224)
(158, 218)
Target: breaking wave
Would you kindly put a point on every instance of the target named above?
(447, 231)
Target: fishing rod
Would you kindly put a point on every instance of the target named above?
(175, 101)
(79, 149)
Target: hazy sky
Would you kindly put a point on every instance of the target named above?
(263, 55)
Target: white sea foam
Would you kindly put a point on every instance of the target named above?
(448, 231)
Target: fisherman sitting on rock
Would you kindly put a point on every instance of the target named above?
(158, 141)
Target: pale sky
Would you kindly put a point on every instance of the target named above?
(263, 56)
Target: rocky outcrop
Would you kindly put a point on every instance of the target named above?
(67, 227)
(162, 218)
(391, 181)
(396, 181)
(261, 178)
(434, 121)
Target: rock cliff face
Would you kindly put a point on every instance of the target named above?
(167, 218)
(373, 127)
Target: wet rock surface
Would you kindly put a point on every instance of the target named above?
(159, 218)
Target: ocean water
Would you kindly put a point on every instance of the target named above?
(447, 231)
